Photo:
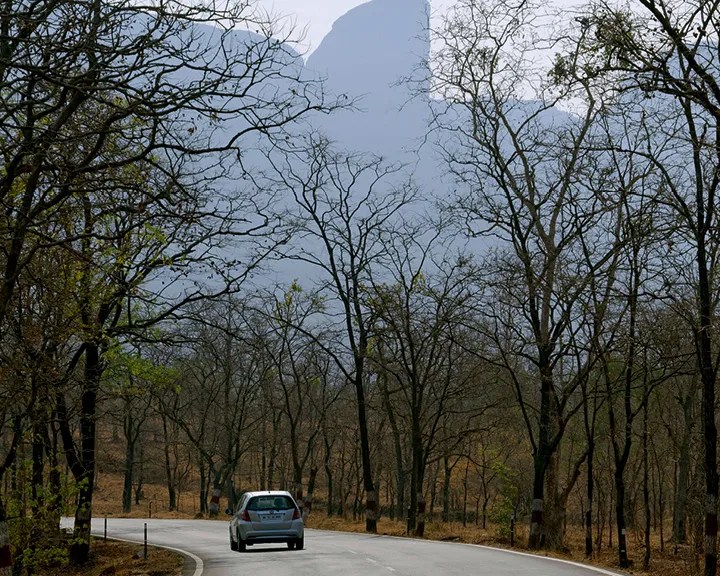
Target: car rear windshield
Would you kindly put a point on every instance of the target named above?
(271, 503)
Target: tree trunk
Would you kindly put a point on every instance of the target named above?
(83, 464)
(660, 517)
(172, 498)
(589, 504)
(486, 501)
(446, 490)
(38, 464)
(169, 475)
(214, 508)
(543, 452)
(371, 505)
(203, 487)
(397, 446)
(620, 518)
(465, 493)
(230, 493)
(129, 462)
(329, 475)
(298, 488)
(6, 560)
(433, 490)
(273, 451)
(41, 499)
(140, 477)
(537, 520)
(646, 489)
(554, 512)
(412, 505)
(704, 344)
(307, 509)
(610, 518)
(80, 548)
(420, 530)
(679, 535)
(55, 500)
(589, 421)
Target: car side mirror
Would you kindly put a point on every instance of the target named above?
(228, 511)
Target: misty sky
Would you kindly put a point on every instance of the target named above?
(317, 16)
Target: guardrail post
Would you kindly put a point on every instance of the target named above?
(145, 552)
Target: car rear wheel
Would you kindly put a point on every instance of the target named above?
(300, 543)
(240, 543)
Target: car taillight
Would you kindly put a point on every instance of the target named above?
(245, 516)
(296, 514)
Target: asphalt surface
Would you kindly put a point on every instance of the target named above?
(333, 553)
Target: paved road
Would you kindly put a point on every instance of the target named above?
(335, 553)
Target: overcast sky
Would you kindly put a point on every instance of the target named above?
(319, 15)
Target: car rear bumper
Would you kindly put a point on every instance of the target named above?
(274, 536)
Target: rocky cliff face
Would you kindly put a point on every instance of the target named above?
(370, 54)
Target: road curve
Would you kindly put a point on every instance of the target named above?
(331, 553)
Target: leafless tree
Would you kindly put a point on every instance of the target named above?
(120, 119)
(420, 299)
(667, 49)
(342, 209)
(518, 156)
(305, 390)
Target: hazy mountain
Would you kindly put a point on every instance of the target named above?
(370, 54)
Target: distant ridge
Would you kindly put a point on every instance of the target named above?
(369, 54)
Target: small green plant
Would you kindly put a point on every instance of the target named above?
(505, 508)
(502, 514)
(34, 520)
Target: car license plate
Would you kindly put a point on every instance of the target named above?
(272, 517)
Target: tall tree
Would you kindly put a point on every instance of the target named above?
(220, 383)
(421, 301)
(302, 374)
(342, 208)
(517, 157)
(668, 48)
(116, 120)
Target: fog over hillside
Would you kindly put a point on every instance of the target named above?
(370, 54)
(376, 55)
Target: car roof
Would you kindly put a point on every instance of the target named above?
(268, 493)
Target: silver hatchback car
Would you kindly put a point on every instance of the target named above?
(267, 517)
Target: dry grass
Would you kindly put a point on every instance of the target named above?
(107, 500)
(122, 559)
(109, 558)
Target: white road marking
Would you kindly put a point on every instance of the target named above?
(371, 560)
(390, 568)
(352, 551)
(516, 552)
